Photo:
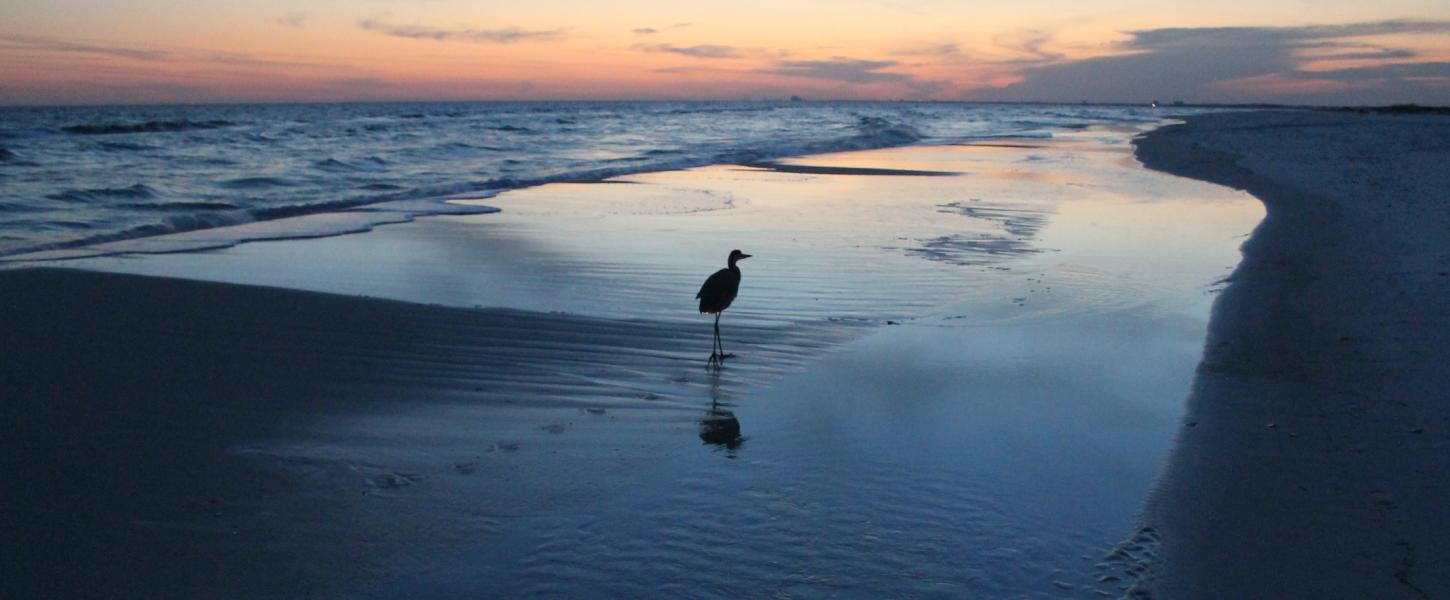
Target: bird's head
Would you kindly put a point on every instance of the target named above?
(737, 255)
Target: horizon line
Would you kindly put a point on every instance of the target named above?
(788, 101)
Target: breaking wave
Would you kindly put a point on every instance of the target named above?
(254, 183)
(147, 127)
(277, 161)
(103, 195)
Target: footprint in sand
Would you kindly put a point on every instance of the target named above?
(389, 481)
(503, 447)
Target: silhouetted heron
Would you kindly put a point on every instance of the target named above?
(717, 294)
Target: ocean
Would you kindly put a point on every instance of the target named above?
(79, 176)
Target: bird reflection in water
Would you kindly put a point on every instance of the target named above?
(719, 427)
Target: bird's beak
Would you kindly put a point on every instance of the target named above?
(744, 256)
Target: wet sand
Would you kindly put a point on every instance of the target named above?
(1312, 461)
(946, 386)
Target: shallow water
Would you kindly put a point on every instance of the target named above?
(918, 462)
(842, 246)
(1031, 326)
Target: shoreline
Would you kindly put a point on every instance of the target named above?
(351, 208)
(1311, 458)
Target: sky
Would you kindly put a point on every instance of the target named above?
(205, 51)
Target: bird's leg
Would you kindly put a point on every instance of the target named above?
(721, 344)
(718, 349)
(715, 344)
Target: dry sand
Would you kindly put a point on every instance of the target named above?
(1314, 460)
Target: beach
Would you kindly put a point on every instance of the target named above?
(1312, 458)
(996, 368)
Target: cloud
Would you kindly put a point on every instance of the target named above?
(854, 71)
(18, 42)
(247, 60)
(361, 82)
(848, 70)
(1274, 36)
(1371, 54)
(926, 88)
(932, 50)
(295, 18)
(1237, 64)
(506, 35)
(699, 51)
(723, 71)
(654, 30)
(1389, 71)
(63, 47)
(1028, 47)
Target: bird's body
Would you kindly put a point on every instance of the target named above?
(719, 290)
(717, 294)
